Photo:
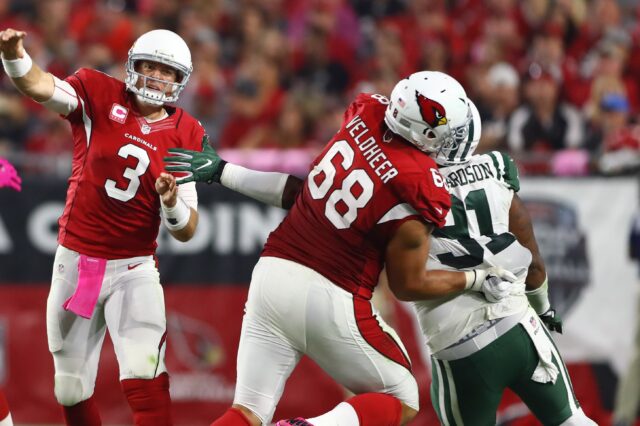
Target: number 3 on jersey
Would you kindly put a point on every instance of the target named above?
(341, 198)
(133, 175)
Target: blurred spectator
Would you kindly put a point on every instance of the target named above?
(102, 23)
(602, 15)
(315, 66)
(628, 392)
(544, 123)
(294, 127)
(617, 140)
(331, 26)
(603, 71)
(502, 99)
(256, 102)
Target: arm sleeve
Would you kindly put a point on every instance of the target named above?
(266, 187)
(64, 99)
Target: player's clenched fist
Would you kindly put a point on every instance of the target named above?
(167, 188)
(11, 43)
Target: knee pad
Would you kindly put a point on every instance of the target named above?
(579, 419)
(69, 390)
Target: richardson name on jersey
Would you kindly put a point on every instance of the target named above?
(371, 150)
(469, 174)
(140, 141)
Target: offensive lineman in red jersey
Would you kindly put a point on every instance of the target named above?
(371, 199)
(104, 274)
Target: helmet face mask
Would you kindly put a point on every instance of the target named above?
(164, 47)
(466, 140)
(430, 110)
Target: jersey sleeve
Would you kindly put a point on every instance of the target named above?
(81, 80)
(197, 133)
(506, 168)
(426, 193)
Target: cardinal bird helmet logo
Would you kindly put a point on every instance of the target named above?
(432, 112)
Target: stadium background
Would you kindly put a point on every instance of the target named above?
(271, 79)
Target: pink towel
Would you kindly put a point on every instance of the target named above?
(90, 275)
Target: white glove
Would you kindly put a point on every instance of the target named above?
(495, 283)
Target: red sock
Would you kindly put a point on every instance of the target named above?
(149, 400)
(377, 409)
(4, 406)
(232, 417)
(84, 413)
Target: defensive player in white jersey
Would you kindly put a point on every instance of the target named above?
(105, 274)
(482, 345)
(371, 198)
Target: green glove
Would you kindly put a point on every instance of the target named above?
(552, 320)
(205, 166)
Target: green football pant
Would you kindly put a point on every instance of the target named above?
(468, 390)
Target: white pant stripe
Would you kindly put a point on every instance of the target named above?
(453, 395)
(565, 377)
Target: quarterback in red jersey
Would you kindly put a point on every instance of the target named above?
(371, 200)
(105, 275)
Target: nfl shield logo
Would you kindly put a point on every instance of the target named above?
(145, 129)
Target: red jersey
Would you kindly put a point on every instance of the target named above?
(112, 209)
(365, 183)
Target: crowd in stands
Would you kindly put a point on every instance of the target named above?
(556, 81)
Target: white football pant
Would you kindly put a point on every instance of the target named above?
(130, 306)
(291, 311)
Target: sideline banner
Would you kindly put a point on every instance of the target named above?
(582, 227)
(231, 232)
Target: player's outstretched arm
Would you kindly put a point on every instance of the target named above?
(273, 188)
(27, 76)
(405, 260)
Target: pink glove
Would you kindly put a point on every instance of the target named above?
(9, 176)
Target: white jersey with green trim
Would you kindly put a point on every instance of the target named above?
(475, 235)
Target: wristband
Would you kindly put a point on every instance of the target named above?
(471, 279)
(539, 298)
(176, 217)
(16, 68)
(217, 176)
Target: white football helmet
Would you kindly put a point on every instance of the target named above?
(430, 110)
(165, 47)
(464, 146)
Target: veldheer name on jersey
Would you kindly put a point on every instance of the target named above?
(469, 174)
(371, 151)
